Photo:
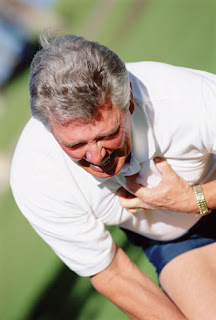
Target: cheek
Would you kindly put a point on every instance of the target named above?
(114, 144)
(74, 154)
(127, 140)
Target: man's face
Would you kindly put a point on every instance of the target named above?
(100, 147)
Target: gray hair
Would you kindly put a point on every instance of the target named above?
(72, 77)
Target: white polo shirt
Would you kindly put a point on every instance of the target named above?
(175, 113)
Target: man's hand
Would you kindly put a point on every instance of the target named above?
(172, 193)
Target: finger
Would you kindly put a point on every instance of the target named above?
(131, 184)
(123, 193)
(135, 210)
(138, 190)
(130, 203)
(163, 166)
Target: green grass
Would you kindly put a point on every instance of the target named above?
(174, 31)
(113, 24)
(16, 111)
(33, 280)
(75, 13)
(27, 264)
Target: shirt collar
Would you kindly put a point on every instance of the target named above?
(143, 141)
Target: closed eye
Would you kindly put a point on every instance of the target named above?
(81, 144)
(76, 146)
(111, 136)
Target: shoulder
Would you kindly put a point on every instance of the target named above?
(34, 146)
(38, 163)
(163, 81)
(160, 67)
(157, 71)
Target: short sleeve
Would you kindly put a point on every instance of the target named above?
(79, 239)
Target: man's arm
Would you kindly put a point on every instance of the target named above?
(134, 292)
(172, 193)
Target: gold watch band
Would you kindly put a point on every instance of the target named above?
(201, 201)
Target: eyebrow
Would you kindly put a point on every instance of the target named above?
(102, 136)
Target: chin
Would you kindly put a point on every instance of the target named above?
(103, 174)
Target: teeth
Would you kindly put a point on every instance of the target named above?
(107, 161)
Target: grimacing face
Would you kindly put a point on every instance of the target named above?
(100, 147)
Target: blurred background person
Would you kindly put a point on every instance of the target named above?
(20, 23)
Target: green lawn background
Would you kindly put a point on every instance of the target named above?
(34, 283)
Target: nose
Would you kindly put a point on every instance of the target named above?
(95, 153)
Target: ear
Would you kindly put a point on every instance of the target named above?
(131, 107)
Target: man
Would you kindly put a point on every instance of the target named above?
(130, 145)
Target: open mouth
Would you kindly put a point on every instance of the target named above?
(105, 162)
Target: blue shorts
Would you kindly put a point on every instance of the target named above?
(161, 252)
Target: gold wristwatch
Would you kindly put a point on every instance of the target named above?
(201, 201)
